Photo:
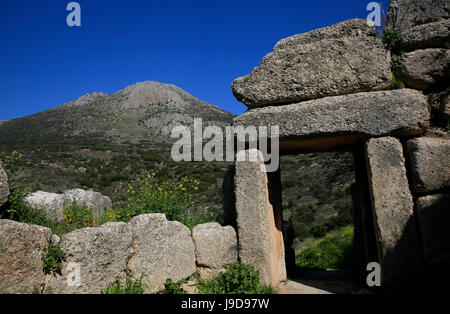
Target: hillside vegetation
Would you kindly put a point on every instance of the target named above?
(108, 142)
(317, 195)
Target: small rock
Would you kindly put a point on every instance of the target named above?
(56, 239)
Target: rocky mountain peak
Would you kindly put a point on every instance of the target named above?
(143, 111)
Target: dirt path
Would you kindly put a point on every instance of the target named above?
(320, 282)
(293, 287)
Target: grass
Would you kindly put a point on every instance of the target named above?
(171, 287)
(129, 286)
(107, 168)
(238, 279)
(334, 251)
(52, 258)
(393, 42)
(179, 201)
(316, 192)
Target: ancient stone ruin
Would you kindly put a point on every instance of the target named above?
(148, 244)
(332, 90)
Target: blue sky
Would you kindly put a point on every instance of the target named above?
(200, 46)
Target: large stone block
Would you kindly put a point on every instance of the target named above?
(259, 219)
(430, 164)
(161, 250)
(54, 205)
(21, 249)
(422, 69)
(392, 203)
(215, 248)
(4, 187)
(434, 219)
(102, 254)
(341, 59)
(94, 200)
(325, 123)
(403, 14)
(431, 35)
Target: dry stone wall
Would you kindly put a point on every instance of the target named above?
(148, 244)
(329, 89)
(306, 90)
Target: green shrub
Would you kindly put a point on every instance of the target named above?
(79, 216)
(238, 279)
(130, 286)
(333, 252)
(393, 42)
(17, 208)
(177, 200)
(36, 290)
(171, 287)
(396, 83)
(52, 259)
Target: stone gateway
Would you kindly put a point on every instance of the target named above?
(327, 101)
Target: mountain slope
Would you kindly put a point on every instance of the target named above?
(145, 111)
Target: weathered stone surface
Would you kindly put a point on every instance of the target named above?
(161, 250)
(434, 219)
(259, 224)
(431, 35)
(341, 59)
(392, 203)
(364, 114)
(21, 249)
(4, 187)
(215, 248)
(51, 203)
(54, 204)
(94, 200)
(445, 111)
(421, 69)
(440, 108)
(439, 99)
(430, 164)
(101, 253)
(403, 14)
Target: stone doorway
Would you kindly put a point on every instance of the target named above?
(255, 208)
(325, 242)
